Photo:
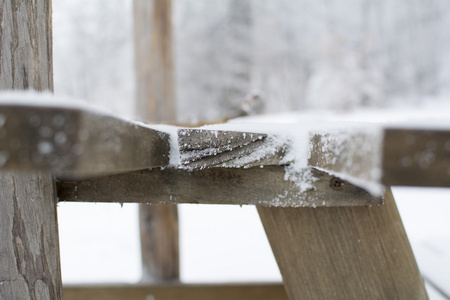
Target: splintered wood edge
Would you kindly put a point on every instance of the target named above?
(75, 142)
(255, 186)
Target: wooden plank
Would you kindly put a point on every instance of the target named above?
(261, 291)
(351, 152)
(201, 148)
(76, 142)
(343, 252)
(155, 92)
(416, 157)
(397, 156)
(155, 100)
(29, 245)
(258, 186)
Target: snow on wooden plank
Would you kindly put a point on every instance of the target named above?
(257, 186)
(74, 141)
(79, 142)
(396, 157)
(202, 148)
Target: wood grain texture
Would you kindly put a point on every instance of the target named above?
(202, 148)
(26, 45)
(78, 142)
(155, 99)
(353, 152)
(29, 260)
(343, 253)
(267, 291)
(75, 142)
(416, 157)
(29, 247)
(257, 186)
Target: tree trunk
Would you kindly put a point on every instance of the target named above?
(29, 248)
(156, 103)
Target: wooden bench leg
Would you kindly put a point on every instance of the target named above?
(343, 252)
(29, 247)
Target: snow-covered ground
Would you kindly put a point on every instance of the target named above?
(221, 243)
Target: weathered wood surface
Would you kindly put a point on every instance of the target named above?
(353, 153)
(70, 141)
(29, 260)
(343, 252)
(155, 92)
(155, 99)
(76, 142)
(416, 157)
(257, 186)
(397, 156)
(73, 141)
(267, 291)
(29, 244)
(159, 242)
(200, 149)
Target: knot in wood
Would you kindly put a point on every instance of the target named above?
(336, 184)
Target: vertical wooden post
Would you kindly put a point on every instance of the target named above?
(156, 103)
(29, 243)
(343, 252)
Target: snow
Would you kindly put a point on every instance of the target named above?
(32, 98)
(100, 242)
(304, 54)
(174, 155)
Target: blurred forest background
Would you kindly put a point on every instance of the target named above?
(295, 54)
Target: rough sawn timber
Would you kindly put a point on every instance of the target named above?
(343, 252)
(29, 244)
(256, 186)
(155, 99)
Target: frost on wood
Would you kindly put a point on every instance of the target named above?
(245, 146)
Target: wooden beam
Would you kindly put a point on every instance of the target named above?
(29, 247)
(155, 100)
(258, 291)
(416, 157)
(76, 142)
(202, 148)
(257, 186)
(343, 252)
(353, 153)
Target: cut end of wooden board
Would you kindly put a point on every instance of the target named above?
(75, 142)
